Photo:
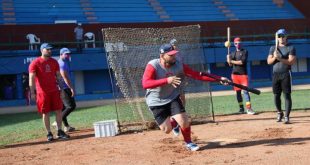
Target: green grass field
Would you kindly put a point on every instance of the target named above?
(25, 126)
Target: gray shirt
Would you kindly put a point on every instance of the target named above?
(285, 51)
(164, 94)
(78, 33)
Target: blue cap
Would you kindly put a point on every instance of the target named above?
(282, 31)
(168, 49)
(64, 50)
(46, 46)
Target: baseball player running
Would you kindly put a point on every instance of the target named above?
(162, 79)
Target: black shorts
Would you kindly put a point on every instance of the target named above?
(161, 113)
(281, 82)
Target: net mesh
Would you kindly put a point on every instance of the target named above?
(128, 51)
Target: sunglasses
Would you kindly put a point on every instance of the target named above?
(237, 43)
(281, 35)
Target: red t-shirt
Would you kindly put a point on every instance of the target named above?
(45, 71)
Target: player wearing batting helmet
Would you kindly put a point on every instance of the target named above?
(238, 60)
(162, 79)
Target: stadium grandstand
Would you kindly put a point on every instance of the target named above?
(53, 21)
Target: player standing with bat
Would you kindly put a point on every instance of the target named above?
(282, 56)
(162, 79)
(238, 61)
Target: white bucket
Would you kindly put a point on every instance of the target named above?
(105, 128)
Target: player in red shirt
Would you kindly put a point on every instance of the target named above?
(43, 75)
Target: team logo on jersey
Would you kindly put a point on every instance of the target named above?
(47, 68)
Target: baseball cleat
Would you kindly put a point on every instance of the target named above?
(280, 116)
(287, 120)
(241, 111)
(250, 111)
(50, 137)
(192, 146)
(62, 135)
(69, 129)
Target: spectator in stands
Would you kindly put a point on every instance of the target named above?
(67, 91)
(43, 73)
(79, 37)
(282, 58)
(238, 61)
(26, 89)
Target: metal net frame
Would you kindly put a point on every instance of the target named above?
(128, 50)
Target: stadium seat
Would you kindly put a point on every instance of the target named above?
(33, 41)
(89, 38)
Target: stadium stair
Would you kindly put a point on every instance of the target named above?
(8, 12)
(89, 11)
(225, 10)
(163, 15)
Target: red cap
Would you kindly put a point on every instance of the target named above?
(237, 39)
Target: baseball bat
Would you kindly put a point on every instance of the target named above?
(276, 42)
(228, 39)
(252, 90)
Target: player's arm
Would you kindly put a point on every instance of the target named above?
(149, 81)
(291, 57)
(67, 80)
(228, 59)
(290, 61)
(243, 60)
(196, 75)
(59, 76)
(271, 59)
(32, 76)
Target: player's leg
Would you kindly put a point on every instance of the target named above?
(240, 101)
(236, 79)
(244, 80)
(277, 90)
(162, 117)
(179, 114)
(57, 106)
(44, 109)
(46, 121)
(287, 89)
(69, 106)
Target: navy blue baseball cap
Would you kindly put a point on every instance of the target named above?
(46, 46)
(282, 32)
(64, 51)
(167, 49)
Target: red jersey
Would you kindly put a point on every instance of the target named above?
(45, 71)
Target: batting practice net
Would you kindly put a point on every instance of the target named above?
(128, 51)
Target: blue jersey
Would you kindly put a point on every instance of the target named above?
(64, 66)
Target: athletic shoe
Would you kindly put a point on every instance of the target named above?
(176, 130)
(62, 135)
(192, 146)
(69, 129)
(55, 125)
(250, 111)
(287, 120)
(50, 136)
(280, 116)
(241, 111)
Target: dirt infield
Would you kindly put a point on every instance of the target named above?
(234, 139)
